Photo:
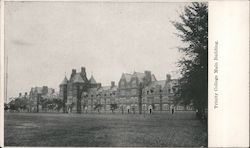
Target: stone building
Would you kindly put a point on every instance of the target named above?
(135, 93)
(37, 93)
(71, 90)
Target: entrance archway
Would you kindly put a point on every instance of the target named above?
(150, 108)
(172, 109)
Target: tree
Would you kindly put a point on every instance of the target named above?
(113, 107)
(97, 107)
(6, 107)
(193, 31)
(141, 86)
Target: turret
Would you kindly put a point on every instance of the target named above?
(65, 81)
(63, 92)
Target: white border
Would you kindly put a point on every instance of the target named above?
(228, 127)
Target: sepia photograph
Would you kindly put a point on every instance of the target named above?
(105, 74)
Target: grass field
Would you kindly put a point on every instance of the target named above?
(32, 129)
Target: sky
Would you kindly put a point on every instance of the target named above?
(46, 40)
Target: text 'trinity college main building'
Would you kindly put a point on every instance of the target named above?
(137, 92)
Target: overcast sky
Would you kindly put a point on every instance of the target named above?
(46, 39)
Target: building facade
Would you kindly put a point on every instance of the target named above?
(135, 93)
(37, 94)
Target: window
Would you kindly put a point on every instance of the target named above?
(134, 84)
(165, 107)
(122, 84)
(134, 91)
(122, 92)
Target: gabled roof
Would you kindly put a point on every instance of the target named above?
(36, 89)
(127, 76)
(65, 81)
(153, 77)
(92, 80)
(77, 78)
(139, 75)
(155, 83)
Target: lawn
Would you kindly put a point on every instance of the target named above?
(41, 129)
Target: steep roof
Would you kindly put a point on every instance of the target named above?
(39, 89)
(127, 76)
(77, 78)
(153, 77)
(65, 81)
(139, 75)
(92, 80)
(36, 89)
(155, 83)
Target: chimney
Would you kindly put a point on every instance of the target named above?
(147, 76)
(168, 77)
(112, 83)
(73, 71)
(83, 70)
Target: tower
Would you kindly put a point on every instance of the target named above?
(63, 93)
